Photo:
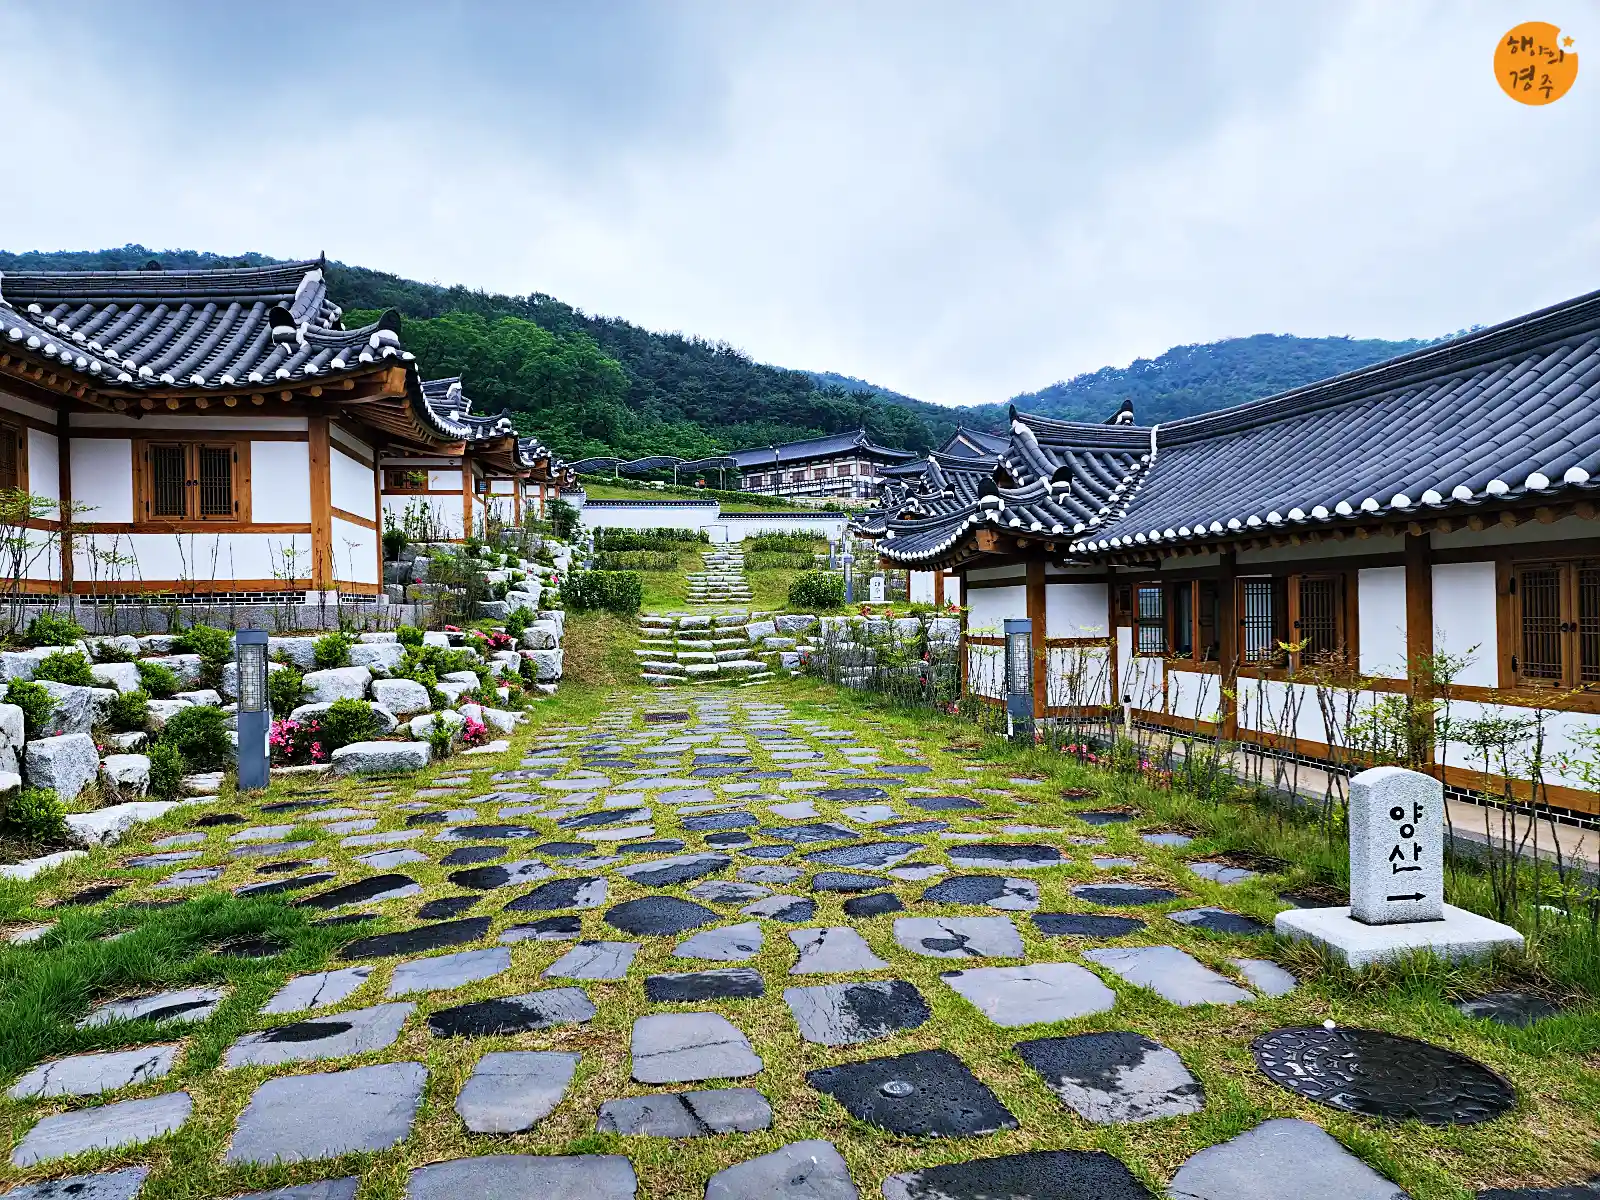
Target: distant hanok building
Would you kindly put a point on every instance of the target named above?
(217, 434)
(846, 466)
(1211, 570)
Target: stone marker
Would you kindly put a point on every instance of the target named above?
(678, 1047)
(799, 1171)
(1115, 1078)
(510, 1091)
(520, 1176)
(108, 1127)
(1278, 1158)
(91, 1074)
(687, 1114)
(301, 1117)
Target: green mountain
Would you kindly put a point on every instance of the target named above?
(599, 385)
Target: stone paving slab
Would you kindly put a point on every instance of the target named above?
(959, 937)
(187, 1005)
(594, 960)
(526, 1013)
(525, 1177)
(1036, 1175)
(300, 1117)
(92, 1074)
(359, 1031)
(833, 950)
(680, 1047)
(693, 987)
(687, 1114)
(323, 1189)
(798, 1171)
(846, 1014)
(510, 1091)
(316, 991)
(109, 1127)
(1034, 994)
(1114, 1078)
(929, 1093)
(1266, 1162)
(446, 971)
(1170, 973)
(112, 1185)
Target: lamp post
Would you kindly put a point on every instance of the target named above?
(1019, 680)
(255, 708)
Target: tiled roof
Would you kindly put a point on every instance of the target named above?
(450, 405)
(823, 447)
(967, 441)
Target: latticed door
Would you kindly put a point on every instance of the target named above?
(187, 482)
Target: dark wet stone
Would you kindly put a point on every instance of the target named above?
(1085, 925)
(1035, 1175)
(996, 891)
(661, 846)
(298, 805)
(717, 772)
(904, 768)
(1517, 1009)
(844, 881)
(909, 827)
(547, 929)
(872, 906)
(942, 803)
(661, 916)
(727, 839)
(359, 1031)
(251, 947)
(770, 851)
(472, 854)
(728, 983)
(665, 718)
(846, 1014)
(1114, 1078)
(418, 941)
(90, 895)
(926, 1094)
(472, 833)
(706, 822)
(610, 816)
(446, 907)
(514, 1014)
(814, 832)
(584, 891)
(278, 868)
(108, 1185)
(982, 855)
(1217, 920)
(1382, 1075)
(870, 854)
(669, 872)
(213, 819)
(851, 795)
(487, 878)
(687, 1114)
(346, 919)
(416, 820)
(564, 849)
(1103, 818)
(1122, 893)
(791, 909)
(362, 890)
(273, 887)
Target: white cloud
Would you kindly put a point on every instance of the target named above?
(957, 202)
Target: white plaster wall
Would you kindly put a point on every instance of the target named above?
(1077, 675)
(1141, 681)
(986, 671)
(1381, 605)
(988, 609)
(446, 511)
(1559, 729)
(355, 552)
(503, 487)
(351, 484)
(1292, 709)
(1194, 694)
(44, 468)
(280, 483)
(977, 573)
(102, 478)
(196, 425)
(921, 590)
(598, 514)
(444, 481)
(952, 589)
(1075, 609)
(1465, 618)
(169, 557)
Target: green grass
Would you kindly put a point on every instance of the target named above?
(1551, 1137)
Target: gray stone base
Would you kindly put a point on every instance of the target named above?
(1461, 935)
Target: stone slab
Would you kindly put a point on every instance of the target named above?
(520, 1176)
(513, 1090)
(316, 991)
(1085, 925)
(446, 971)
(1008, 894)
(846, 1014)
(1278, 1158)
(412, 941)
(526, 1013)
(92, 1074)
(108, 1127)
(1034, 1175)
(1034, 994)
(679, 1047)
(594, 960)
(832, 950)
(188, 1005)
(1460, 936)
(1170, 973)
(799, 1171)
(359, 1031)
(929, 1093)
(959, 937)
(1114, 1078)
(727, 943)
(108, 1185)
(1268, 978)
(687, 1114)
(659, 916)
(300, 1117)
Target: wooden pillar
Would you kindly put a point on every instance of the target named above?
(961, 642)
(377, 510)
(518, 482)
(1114, 683)
(938, 587)
(64, 485)
(1419, 634)
(1036, 609)
(1228, 644)
(321, 458)
(466, 495)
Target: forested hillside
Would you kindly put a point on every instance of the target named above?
(597, 385)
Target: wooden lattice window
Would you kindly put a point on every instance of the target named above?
(13, 450)
(1260, 615)
(405, 479)
(191, 481)
(1183, 620)
(1319, 617)
(1151, 616)
(1555, 635)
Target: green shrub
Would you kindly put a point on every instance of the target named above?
(770, 560)
(48, 629)
(111, 652)
(394, 541)
(671, 540)
(408, 635)
(636, 560)
(158, 680)
(36, 704)
(816, 591)
(620, 592)
(166, 771)
(65, 666)
(200, 735)
(214, 646)
(286, 690)
(518, 620)
(347, 721)
(793, 543)
(563, 519)
(441, 741)
(34, 815)
(127, 712)
(332, 650)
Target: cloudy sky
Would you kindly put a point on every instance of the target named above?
(958, 201)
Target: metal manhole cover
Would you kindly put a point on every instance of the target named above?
(1382, 1075)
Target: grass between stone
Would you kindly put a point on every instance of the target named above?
(1550, 1137)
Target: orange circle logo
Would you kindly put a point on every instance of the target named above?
(1535, 63)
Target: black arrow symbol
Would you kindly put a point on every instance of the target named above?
(1409, 896)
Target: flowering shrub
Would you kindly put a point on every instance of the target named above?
(297, 742)
(492, 641)
(474, 733)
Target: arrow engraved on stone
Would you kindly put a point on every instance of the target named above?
(1408, 896)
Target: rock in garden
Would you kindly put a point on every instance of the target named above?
(485, 879)
(66, 764)
(1119, 894)
(1085, 925)
(403, 697)
(188, 1006)
(338, 683)
(994, 891)
(687, 1114)
(832, 950)
(128, 773)
(668, 872)
(678, 1047)
(316, 991)
(799, 1171)
(109, 1127)
(510, 1091)
(659, 916)
(301, 1117)
(729, 943)
(594, 960)
(416, 941)
(578, 892)
(373, 889)
(793, 909)
(374, 758)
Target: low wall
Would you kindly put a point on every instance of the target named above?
(708, 515)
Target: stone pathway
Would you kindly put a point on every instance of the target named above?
(733, 647)
(694, 919)
(721, 578)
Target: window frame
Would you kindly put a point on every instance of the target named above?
(1154, 624)
(12, 427)
(1569, 632)
(1340, 613)
(238, 451)
(392, 488)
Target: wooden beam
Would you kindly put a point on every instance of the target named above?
(321, 457)
(1036, 615)
(64, 483)
(1419, 619)
(1228, 642)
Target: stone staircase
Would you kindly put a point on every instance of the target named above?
(738, 649)
(722, 581)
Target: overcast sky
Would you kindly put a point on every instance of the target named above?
(958, 201)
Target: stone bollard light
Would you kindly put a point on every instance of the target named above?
(255, 708)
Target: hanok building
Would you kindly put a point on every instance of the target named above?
(212, 432)
(1440, 505)
(494, 476)
(839, 466)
